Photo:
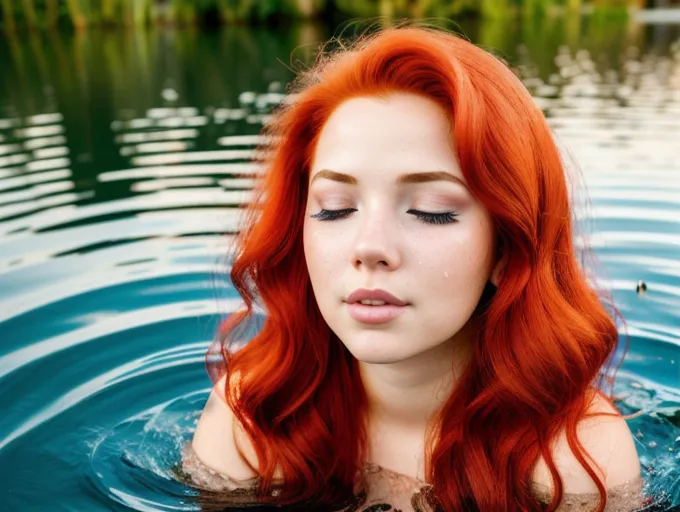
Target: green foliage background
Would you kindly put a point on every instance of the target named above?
(35, 14)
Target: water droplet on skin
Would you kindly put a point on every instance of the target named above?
(446, 274)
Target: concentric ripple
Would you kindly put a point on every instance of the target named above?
(135, 463)
(116, 224)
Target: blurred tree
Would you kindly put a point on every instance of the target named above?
(77, 17)
(496, 9)
(181, 12)
(360, 8)
(532, 8)
(266, 8)
(81, 13)
(51, 13)
(232, 12)
(8, 16)
(137, 12)
(29, 14)
(108, 14)
(574, 5)
(306, 9)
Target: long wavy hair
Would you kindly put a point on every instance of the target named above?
(546, 342)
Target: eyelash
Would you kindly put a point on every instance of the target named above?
(430, 218)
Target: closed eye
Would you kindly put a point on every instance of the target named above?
(435, 218)
(332, 214)
(427, 217)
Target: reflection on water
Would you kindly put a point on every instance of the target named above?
(125, 157)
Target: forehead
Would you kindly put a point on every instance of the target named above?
(399, 133)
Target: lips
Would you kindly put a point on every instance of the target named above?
(368, 314)
(378, 294)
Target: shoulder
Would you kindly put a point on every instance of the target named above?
(607, 439)
(220, 442)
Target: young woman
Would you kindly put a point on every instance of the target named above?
(430, 339)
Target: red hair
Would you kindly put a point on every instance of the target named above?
(545, 335)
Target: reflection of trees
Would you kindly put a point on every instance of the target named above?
(423, 8)
(81, 13)
(51, 13)
(96, 77)
(76, 13)
(29, 13)
(8, 15)
(234, 12)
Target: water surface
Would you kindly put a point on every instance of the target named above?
(124, 158)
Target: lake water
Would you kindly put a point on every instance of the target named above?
(124, 157)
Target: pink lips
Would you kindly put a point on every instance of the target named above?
(392, 308)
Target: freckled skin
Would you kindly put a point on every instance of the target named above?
(439, 269)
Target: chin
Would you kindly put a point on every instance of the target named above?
(375, 351)
(379, 359)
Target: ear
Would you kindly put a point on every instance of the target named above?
(498, 269)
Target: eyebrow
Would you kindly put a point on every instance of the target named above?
(416, 177)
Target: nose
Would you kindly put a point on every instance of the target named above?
(375, 243)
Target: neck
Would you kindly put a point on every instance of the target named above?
(409, 393)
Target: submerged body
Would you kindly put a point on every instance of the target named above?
(221, 459)
(394, 492)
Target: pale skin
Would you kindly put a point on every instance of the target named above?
(410, 365)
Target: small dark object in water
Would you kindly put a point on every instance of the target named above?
(641, 287)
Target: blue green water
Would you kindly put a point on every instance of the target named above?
(123, 160)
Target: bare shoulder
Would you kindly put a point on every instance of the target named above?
(219, 436)
(609, 442)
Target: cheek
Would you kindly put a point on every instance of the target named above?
(322, 253)
(460, 259)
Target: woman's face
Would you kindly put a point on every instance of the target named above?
(388, 208)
